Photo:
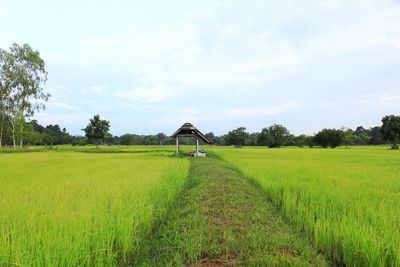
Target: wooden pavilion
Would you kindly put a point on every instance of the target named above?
(188, 130)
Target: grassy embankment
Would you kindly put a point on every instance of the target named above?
(221, 219)
(346, 200)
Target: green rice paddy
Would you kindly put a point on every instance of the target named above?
(81, 209)
(76, 206)
(347, 201)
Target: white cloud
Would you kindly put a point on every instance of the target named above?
(99, 89)
(387, 101)
(65, 119)
(156, 94)
(61, 105)
(187, 115)
(377, 30)
(394, 99)
(263, 110)
(213, 47)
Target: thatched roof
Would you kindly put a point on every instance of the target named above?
(189, 130)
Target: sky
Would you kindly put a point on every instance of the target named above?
(150, 66)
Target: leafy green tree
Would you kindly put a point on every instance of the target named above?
(300, 140)
(273, 136)
(79, 140)
(66, 138)
(291, 140)
(30, 136)
(161, 137)
(55, 132)
(237, 137)
(130, 139)
(252, 139)
(322, 138)
(36, 126)
(150, 140)
(329, 137)
(109, 139)
(361, 136)
(97, 130)
(211, 137)
(360, 130)
(22, 77)
(348, 137)
(375, 137)
(391, 129)
(310, 141)
(47, 139)
(216, 140)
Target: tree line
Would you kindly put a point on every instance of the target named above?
(35, 134)
(277, 135)
(97, 132)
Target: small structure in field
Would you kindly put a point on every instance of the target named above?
(188, 130)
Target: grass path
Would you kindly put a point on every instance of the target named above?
(221, 219)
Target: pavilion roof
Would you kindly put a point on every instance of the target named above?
(188, 130)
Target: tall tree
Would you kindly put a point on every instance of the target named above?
(300, 140)
(375, 137)
(310, 141)
(129, 139)
(161, 137)
(19, 127)
(329, 137)
(30, 136)
(391, 129)
(36, 126)
(252, 139)
(97, 130)
(55, 132)
(3, 125)
(348, 136)
(273, 136)
(22, 78)
(237, 137)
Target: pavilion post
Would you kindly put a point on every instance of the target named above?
(177, 145)
(197, 147)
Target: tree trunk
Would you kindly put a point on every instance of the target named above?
(395, 146)
(1, 131)
(13, 136)
(20, 136)
(12, 131)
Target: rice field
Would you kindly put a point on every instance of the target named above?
(74, 206)
(82, 209)
(347, 201)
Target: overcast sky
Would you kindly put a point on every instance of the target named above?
(150, 66)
